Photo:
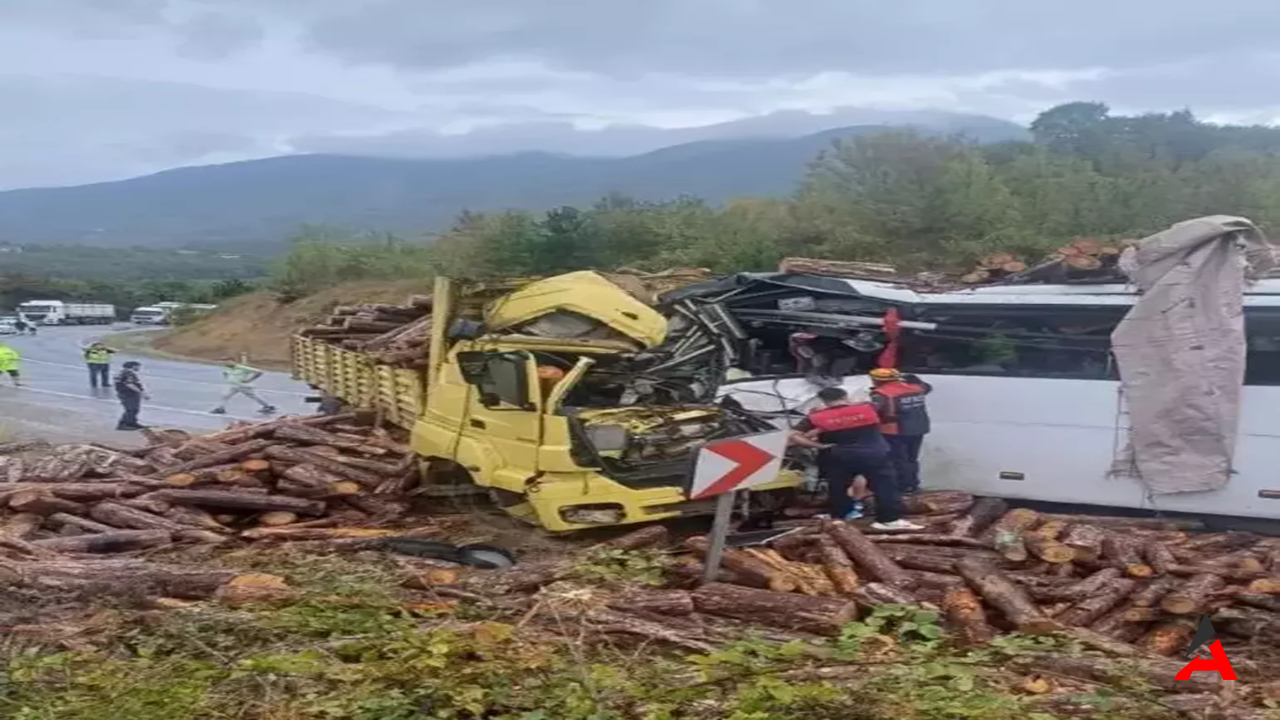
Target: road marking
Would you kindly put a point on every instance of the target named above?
(168, 377)
(165, 408)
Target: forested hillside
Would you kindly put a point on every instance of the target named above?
(896, 196)
(245, 206)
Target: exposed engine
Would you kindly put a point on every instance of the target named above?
(651, 446)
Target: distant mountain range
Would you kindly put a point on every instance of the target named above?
(255, 205)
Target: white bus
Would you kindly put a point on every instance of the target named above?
(1042, 419)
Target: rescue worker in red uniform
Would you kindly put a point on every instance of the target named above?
(900, 401)
(847, 435)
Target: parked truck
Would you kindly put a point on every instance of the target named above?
(163, 313)
(538, 419)
(58, 312)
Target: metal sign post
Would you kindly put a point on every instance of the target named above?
(727, 466)
(719, 529)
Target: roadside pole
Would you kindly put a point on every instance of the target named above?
(727, 466)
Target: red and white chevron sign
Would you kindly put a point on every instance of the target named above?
(738, 463)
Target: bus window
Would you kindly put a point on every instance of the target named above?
(1046, 342)
(1262, 327)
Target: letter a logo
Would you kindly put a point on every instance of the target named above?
(1217, 660)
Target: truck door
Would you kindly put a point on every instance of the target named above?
(503, 413)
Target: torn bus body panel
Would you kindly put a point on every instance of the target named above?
(1181, 351)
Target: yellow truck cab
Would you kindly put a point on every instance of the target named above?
(529, 400)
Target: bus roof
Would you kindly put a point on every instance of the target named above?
(1263, 293)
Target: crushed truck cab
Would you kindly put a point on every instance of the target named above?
(529, 398)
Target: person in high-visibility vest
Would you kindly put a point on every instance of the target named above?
(98, 357)
(904, 421)
(240, 378)
(9, 361)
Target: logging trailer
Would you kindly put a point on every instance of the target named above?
(538, 420)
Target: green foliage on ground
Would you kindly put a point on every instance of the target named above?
(917, 201)
(352, 646)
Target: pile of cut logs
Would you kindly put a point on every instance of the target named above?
(395, 334)
(1080, 259)
(293, 477)
(1137, 582)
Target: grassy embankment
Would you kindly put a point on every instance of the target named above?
(257, 326)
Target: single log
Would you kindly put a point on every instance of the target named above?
(745, 564)
(107, 542)
(1159, 557)
(689, 571)
(254, 467)
(1001, 593)
(248, 432)
(817, 615)
(1048, 549)
(1225, 572)
(21, 526)
(148, 503)
(84, 524)
(119, 578)
(1081, 590)
(1218, 543)
(195, 518)
(1168, 638)
(646, 537)
(667, 603)
(798, 545)
(1088, 610)
(232, 454)
(1125, 552)
(39, 502)
(872, 595)
(811, 580)
(277, 518)
(838, 566)
(1119, 670)
(1124, 623)
(315, 436)
(1192, 597)
(866, 555)
(123, 516)
(1006, 533)
(240, 501)
(288, 533)
(1049, 530)
(925, 539)
(937, 503)
(1127, 522)
(964, 611)
(1264, 602)
(1247, 622)
(318, 460)
(1261, 586)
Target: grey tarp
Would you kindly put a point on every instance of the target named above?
(1181, 351)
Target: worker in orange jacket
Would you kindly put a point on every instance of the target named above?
(904, 415)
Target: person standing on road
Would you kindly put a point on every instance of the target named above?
(98, 357)
(900, 401)
(240, 377)
(847, 436)
(9, 362)
(131, 393)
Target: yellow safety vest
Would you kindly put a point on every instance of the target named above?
(97, 357)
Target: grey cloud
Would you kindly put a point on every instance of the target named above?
(768, 38)
(212, 35)
(1230, 82)
(615, 140)
(64, 130)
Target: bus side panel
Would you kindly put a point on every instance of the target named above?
(1028, 438)
(1257, 465)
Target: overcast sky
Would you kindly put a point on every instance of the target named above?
(103, 89)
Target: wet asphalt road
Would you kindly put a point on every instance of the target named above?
(58, 400)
